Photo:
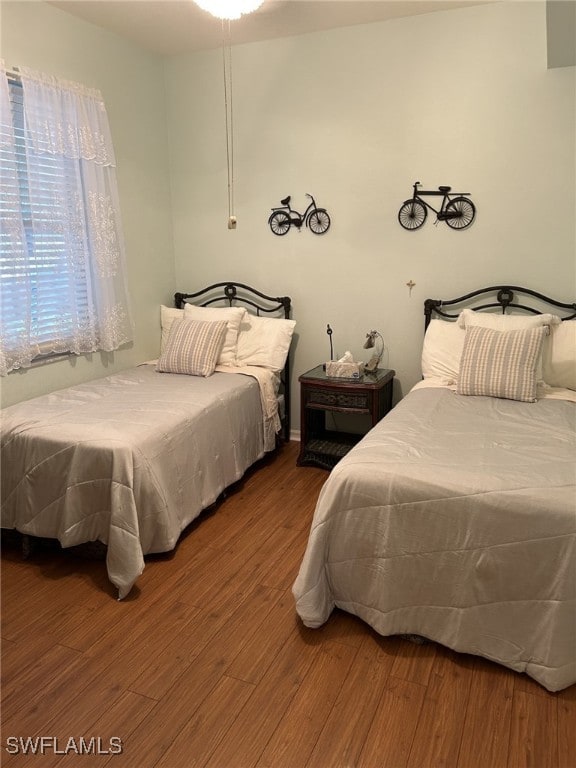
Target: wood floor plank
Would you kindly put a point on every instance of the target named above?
(162, 672)
(254, 659)
(247, 738)
(35, 676)
(127, 654)
(566, 702)
(296, 735)
(282, 574)
(344, 734)
(534, 732)
(253, 545)
(440, 728)
(154, 737)
(116, 722)
(181, 577)
(17, 657)
(44, 602)
(212, 623)
(38, 705)
(202, 734)
(277, 543)
(79, 718)
(486, 733)
(392, 729)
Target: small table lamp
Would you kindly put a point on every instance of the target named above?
(370, 343)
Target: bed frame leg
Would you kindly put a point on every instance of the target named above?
(27, 546)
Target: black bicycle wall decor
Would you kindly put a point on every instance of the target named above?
(283, 217)
(457, 210)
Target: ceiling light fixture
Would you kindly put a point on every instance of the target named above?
(229, 9)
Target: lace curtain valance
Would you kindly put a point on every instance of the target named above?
(65, 118)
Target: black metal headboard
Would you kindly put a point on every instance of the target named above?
(237, 294)
(501, 296)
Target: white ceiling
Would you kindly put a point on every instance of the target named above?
(178, 26)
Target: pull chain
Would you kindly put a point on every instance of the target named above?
(228, 106)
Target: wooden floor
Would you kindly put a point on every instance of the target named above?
(206, 663)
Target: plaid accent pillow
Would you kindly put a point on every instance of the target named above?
(192, 347)
(501, 363)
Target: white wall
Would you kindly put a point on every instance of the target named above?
(355, 116)
(42, 37)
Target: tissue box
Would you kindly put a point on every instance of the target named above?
(339, 370)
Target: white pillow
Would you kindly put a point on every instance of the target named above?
(499, 322)
(233, 317)
(559, 356)
(264, 341)
(167, 317)
(442, 350)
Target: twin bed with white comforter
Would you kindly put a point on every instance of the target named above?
(455, 517)
(131, 459)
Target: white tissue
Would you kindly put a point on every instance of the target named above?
(344, 368)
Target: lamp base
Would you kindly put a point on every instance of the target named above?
(372, 364)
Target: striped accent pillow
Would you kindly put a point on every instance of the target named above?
(501, 363)
(192, 347)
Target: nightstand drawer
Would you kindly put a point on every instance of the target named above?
(323, 398)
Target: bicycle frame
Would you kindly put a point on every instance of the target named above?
(456, 209)
(295, 217)
(447, 196)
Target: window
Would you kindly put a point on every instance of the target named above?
(62, 273)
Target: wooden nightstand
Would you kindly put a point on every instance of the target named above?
(319, 394)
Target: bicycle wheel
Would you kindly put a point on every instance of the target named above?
(319, 221)
(279, 222)
(465, 212)
(412, 214)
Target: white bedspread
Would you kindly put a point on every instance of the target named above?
(128, 460)
(268, 383)
(455, 519)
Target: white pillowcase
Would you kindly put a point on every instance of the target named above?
(442, 350)
(499, 322)
(167, 317)
(559, 356)
(233, 317)
(264, 341)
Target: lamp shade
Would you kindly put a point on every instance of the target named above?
(370, 339)
(229, 9)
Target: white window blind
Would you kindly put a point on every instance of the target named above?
(39, 273)
(62, 272)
